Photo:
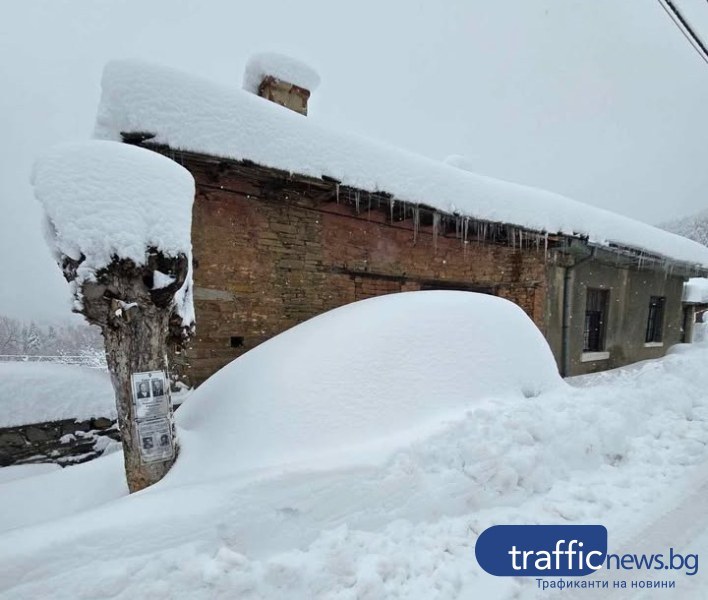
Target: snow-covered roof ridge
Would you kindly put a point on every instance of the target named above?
(191, 113)
(280, 66)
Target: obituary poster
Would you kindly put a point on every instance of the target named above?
(150, 395)
(155, 439)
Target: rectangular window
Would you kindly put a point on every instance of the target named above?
(595, 320)
(655, 322)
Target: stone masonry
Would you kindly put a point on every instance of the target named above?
(272, 250)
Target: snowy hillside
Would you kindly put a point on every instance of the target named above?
(616, 449)
(693, 227)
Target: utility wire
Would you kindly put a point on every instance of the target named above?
(685, 28)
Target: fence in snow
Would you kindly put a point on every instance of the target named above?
(93, 360)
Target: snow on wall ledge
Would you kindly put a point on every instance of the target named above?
(38, 392)
(695, 290)
(190, 113)
(280, 66)
(104, 199)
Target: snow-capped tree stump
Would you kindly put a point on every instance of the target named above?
(119, 221)
(135, 321)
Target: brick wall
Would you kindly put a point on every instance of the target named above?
(272, 250)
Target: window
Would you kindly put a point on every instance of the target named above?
(595, 320)
(655, 322)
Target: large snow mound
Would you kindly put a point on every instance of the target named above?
(361, 374)
(38, 392)
(280, 66)
(190, 113)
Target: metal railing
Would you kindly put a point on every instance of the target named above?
(94, 361)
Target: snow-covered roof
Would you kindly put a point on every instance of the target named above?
(190, 113)
(280, 66)
(104, 199)
(695, 290)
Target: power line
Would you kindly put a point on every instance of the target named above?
(685, 28)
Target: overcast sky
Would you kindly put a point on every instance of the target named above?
(601, 100)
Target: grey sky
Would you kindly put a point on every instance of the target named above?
(601, 100)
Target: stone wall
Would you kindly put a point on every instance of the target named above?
(63, 442)
(272, 250)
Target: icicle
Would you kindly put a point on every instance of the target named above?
(466, 231)
(356, 201)
(336, 191)
(416, 223)
(391, 204)
(436, 227)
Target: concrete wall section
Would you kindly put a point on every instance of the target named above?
(630, 290)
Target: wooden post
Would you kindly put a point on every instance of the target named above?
(137, 323)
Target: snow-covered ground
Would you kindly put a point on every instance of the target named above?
(384, 520)
(33, 392)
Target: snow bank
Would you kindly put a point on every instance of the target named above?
(38, 392)
(281, 67)
(695, 290)
(55, 493)
(104, 199)
(190, 113)
(361, 374)
(616, 451)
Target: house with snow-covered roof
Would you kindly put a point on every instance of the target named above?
(292, 219)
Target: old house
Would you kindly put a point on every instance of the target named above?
(292, 219)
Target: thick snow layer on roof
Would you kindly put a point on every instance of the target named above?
(190, 113)
(36, 392)
(105, 199)
(460, 162)
(695, 290)
(362, 374)
(280, 66)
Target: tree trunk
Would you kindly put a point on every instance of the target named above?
(135, 322)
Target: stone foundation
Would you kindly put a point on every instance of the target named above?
(64, 442)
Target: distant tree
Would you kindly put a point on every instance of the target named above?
(33, 340)
(51, 341)
(10, 331)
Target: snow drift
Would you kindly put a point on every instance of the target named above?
(361, 374)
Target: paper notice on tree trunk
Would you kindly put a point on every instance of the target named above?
(155, 439)
(150, 395)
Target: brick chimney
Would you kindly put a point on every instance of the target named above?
(284, 93)
(281, 79)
